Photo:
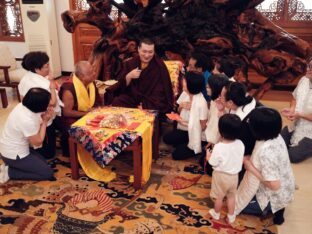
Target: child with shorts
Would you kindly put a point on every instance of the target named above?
(227, 160)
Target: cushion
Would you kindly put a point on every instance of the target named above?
(174, 68)
(7, 58)
(15, 75)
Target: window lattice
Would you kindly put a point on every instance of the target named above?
(287, 10)
(297, 11)
(83, 5)
(11, 27)
(273, 10)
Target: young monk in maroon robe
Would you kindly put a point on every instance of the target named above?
(144, 81)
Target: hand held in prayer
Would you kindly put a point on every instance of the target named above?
(220, 106)
(52, 84)
(46, 116)
(293, 116)
(286, 112)
(50, 75)
(290, 114)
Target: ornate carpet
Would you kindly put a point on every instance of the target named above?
(175, 200)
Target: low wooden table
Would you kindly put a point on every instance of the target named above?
(135, 148)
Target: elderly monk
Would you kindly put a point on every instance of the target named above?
(79, 95)
(144, 81)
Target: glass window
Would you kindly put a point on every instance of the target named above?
(11, 27)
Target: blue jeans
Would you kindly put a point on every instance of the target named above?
(253, 208)
(31, 167)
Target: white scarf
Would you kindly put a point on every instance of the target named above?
(243, 111)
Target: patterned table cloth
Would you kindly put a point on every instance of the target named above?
(104, 144)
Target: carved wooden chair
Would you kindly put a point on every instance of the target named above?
(10, 73)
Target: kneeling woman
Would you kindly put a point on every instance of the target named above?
(268, 184)
(25, 126)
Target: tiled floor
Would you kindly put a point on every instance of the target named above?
(298, 214)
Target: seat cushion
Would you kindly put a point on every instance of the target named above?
(15, 75)
(7, 58)
(174, 68)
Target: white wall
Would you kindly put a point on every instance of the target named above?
(19, 49)
(65, 38)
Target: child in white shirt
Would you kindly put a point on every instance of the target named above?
(179, 135)
(198, 115)
(226, 160)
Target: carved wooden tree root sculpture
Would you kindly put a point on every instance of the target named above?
(231, 30)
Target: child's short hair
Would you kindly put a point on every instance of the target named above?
(216, 82)
(194, 82)
(265, 123)
(37, 100)
(230, 126)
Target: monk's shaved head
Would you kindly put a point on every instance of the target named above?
(84, 71)
(81, 67)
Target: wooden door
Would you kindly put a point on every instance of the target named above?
(85, 35)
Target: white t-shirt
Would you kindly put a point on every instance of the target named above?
(21, 124)
(184, 114)
(199, 111)
(303, 96)
(228, 157)
(33, 80)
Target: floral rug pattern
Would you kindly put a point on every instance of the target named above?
(175, 200)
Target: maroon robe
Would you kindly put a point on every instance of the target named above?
(65, 121)
(153, 88)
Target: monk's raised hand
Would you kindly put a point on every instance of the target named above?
(135, 73)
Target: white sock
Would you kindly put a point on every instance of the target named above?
(4, 174)
(231, 218)
(214, 214)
